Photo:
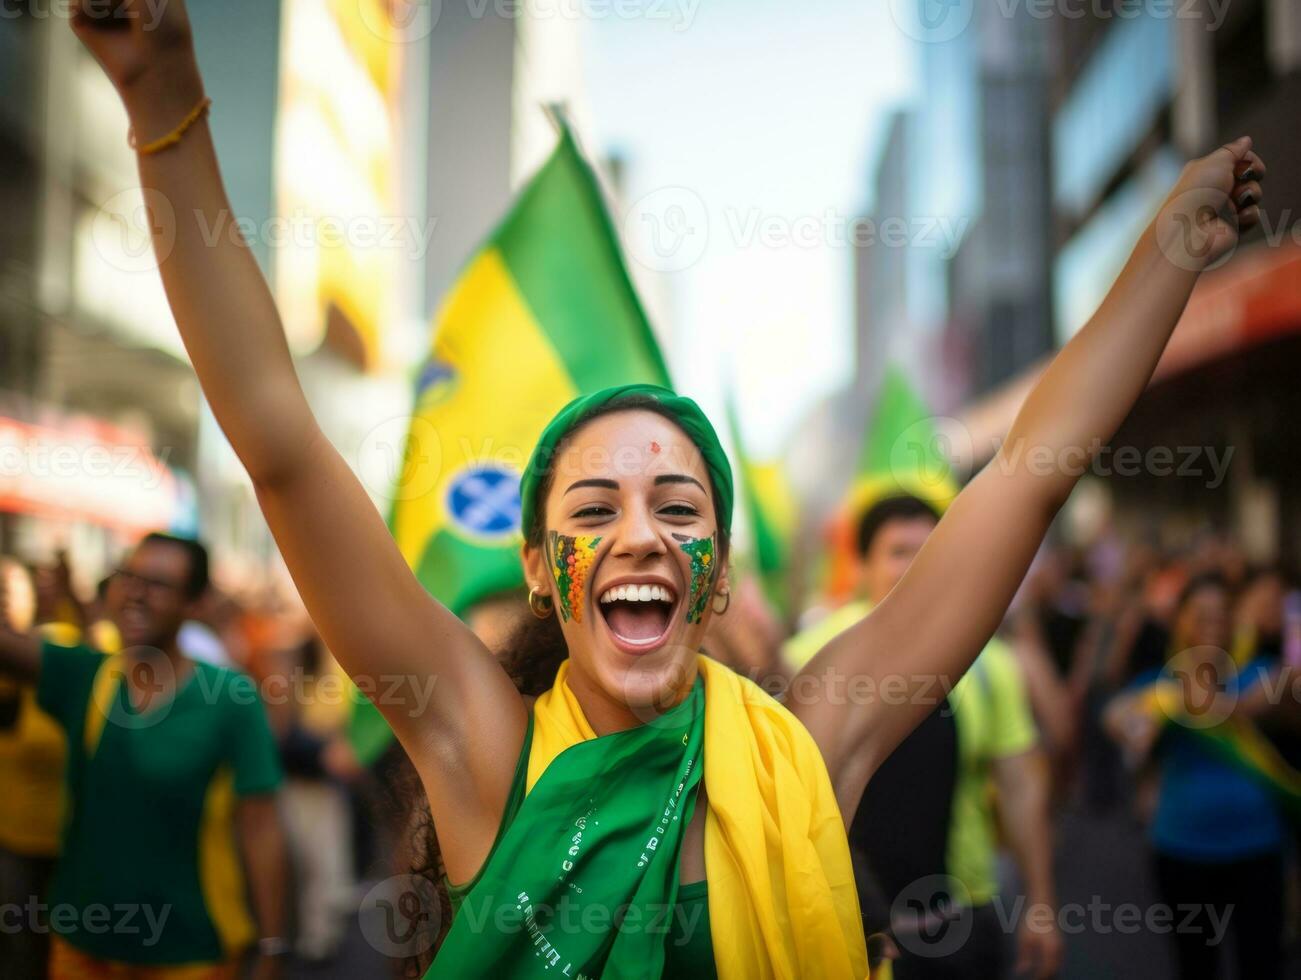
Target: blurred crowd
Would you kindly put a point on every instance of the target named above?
(1147, 682)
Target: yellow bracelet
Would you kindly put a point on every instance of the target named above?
(174, 137)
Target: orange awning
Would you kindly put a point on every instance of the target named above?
(1253, 299)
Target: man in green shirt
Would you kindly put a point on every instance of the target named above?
(926, 823)
(172, 773)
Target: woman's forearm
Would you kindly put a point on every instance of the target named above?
(218, 296)
(1090, 386)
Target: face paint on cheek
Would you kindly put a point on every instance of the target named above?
(571, 563)
(704, 568)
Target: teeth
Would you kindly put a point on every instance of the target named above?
(637, 593)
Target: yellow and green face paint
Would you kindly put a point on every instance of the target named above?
(704, 568)
(571, 563)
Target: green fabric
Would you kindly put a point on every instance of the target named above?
(689, 952)
(131, 830)
(902, 432)
(564, 256)
(992, 714)
(600, 834)
(685, 412)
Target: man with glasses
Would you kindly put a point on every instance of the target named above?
(172, 772)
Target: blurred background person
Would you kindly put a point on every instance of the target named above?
(1217, 835)
(171, 782)
(979, 751)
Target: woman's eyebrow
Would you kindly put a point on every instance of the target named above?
(603, 484)
(678, 478)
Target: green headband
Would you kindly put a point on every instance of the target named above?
(684, 412)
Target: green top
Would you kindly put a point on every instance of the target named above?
(992, 714)
(149, 859)
(688, 948)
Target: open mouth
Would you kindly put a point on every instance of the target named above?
(638, 614)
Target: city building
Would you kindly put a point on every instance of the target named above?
(1137, 91)
(366, 151)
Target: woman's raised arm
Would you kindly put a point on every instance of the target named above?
(434, 681)
(876, 681)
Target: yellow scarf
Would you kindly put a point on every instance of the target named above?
(782, 900)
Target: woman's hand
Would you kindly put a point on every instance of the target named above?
(1216, 199)
(147, 51)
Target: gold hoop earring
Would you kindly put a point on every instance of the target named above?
(540, 604)
(727, 601)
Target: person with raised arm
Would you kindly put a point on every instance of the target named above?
(651, 811)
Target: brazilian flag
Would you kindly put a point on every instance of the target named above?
(543, 312)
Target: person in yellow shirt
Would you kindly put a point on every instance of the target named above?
(931, 843)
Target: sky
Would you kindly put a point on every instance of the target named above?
(749, 132)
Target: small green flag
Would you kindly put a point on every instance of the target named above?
(770, 507)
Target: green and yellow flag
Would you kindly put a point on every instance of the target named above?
(771, 509)
(902, 453)
(543, 312)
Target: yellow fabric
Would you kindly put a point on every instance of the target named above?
(992, 714)
(221, 875)
(473, 423)
(67, 962)
(102, 692)
(32, 756)
(782, 900)
(806, 644)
